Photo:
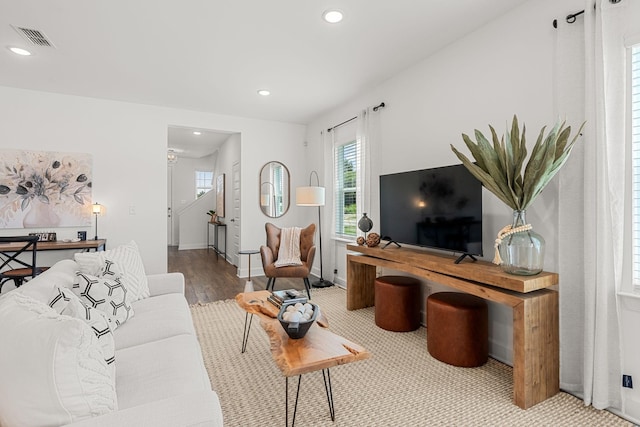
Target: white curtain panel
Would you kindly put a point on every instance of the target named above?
(328, 219)
(605, 194)
(590, 278)
(368, 133)
(363, 179)
(570, 89)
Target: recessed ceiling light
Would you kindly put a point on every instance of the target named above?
(19, 51)
(264, 92)
(332, 16)
(195, 132)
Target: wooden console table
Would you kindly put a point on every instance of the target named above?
(85, 245)
(536, 366)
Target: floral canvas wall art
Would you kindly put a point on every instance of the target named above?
(44, 189)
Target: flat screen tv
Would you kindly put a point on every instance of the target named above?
(439, 208)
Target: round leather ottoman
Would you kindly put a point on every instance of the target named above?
(397, 302)
(458, 329)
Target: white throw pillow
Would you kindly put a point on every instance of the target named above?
(52, 369)
(128, 258)
(108, 295)
(64, 301)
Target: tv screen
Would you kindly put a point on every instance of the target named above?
(438, 208)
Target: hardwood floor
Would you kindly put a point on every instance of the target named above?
(208, 279)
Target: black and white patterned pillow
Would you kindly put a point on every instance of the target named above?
(64, 301)
(105, 293)
(130, 265)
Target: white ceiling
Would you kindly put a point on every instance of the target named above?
(185, 144)
(213, 55)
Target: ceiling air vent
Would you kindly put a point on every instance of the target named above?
(35, 37)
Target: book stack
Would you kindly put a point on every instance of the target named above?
(290, 296)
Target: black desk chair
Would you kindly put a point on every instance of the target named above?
(18, 275)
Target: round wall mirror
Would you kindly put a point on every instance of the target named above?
(274, 189)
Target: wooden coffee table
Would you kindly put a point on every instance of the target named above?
(320, 349)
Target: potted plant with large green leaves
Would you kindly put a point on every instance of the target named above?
(499, 166)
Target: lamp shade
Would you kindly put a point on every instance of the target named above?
(310, 196)
(96, 209)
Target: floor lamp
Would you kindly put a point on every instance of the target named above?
(314, 196)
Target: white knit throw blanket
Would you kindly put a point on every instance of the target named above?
(289, 252)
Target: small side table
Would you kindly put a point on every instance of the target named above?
(248, 287)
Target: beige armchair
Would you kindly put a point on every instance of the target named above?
(269, 254)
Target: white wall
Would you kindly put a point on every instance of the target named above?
(504, 68)
(253, 220)
(193, 221)
(129, 143)
(183, 198)
(630, 319)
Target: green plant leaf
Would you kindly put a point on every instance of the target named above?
(563, 138)
(534, 167)
(492, 163)
(484, 178)
(475, 151)
(499, 166)
(498, 146)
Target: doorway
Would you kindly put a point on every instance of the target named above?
(191, 154)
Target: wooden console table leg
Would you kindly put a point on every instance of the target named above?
(360, 284)
(536, 357)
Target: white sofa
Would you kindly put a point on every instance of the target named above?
(160, 377)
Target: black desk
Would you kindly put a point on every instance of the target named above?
(215, 245)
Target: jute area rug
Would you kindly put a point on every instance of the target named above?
(400, 385)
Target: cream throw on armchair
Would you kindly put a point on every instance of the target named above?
(289, 251)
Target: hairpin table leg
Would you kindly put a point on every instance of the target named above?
(247, 329)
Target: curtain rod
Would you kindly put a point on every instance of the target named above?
(343, 123)
(571, 18)
(376, 108)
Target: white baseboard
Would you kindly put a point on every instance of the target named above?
(632, 412)
(500, 352)
(339, 281)
(188, 246)
(255, 272)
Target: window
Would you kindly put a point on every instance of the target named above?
(635, 144)
(347, 168)
(204, 182)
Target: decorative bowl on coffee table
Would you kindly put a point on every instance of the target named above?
(297, 327)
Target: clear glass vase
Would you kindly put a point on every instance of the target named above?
(522, 253)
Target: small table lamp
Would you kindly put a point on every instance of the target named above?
(97, 209)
